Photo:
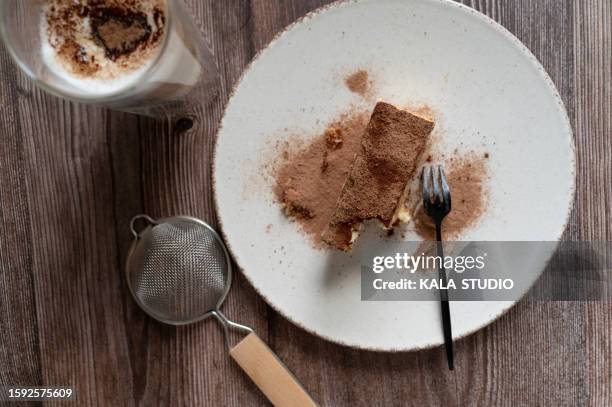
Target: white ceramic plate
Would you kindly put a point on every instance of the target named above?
(491, 94)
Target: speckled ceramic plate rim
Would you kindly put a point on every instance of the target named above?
(345, 3)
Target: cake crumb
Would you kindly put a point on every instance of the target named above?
(333, 137)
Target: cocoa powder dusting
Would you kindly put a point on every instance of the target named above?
(84, 65)
(359, 82)
(309, 181)
(89, 34)
(390, 151)
(120, 32)
(466, 177)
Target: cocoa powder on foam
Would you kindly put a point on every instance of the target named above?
(121, 28)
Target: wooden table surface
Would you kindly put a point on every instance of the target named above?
(71, 177)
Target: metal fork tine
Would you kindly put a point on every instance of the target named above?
(445, 188)
(436, 185)
(426, 182)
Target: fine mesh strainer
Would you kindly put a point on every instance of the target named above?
(179, 272)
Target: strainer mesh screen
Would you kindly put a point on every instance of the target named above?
(179, 271)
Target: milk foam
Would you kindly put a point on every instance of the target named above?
(101, 86)
(178, 66)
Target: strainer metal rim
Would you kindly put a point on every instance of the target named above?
(152, 222)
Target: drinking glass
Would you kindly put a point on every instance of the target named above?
(182, 75)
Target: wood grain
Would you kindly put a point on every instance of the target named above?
(270, 375)
(72, 176)
(20, 354)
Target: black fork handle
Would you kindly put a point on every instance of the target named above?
(444, 307)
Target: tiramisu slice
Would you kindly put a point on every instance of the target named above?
(377, 185)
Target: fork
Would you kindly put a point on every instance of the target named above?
(437, 204)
